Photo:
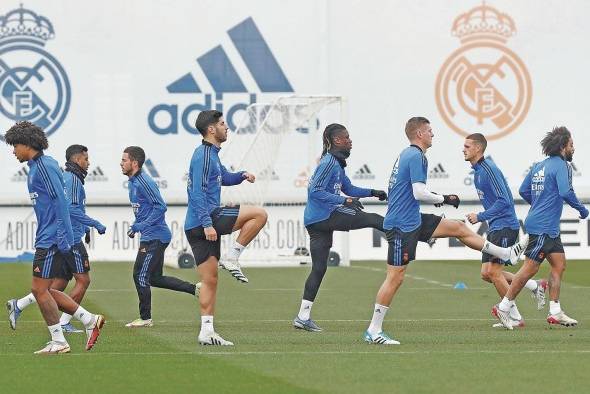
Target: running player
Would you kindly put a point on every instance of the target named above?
(405, 225)
(328, 211)
(547, 185)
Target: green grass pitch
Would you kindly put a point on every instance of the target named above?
(448, 344)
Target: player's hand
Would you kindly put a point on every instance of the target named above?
(100, 228)
(472, 218)
(584, 213)
(380, 194)
(87, 237)
(353, 203)
(130, 233)
(210, 233)
(249, 177)
(451, 199)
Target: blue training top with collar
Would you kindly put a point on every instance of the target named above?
(46, 190)
(77, 204)
(149, 208)
(206, 175)
(495, 196)
(323, 191)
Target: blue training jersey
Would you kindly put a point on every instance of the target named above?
(547, 185)
(77, 203)
(323, 191)
(46, 190)
(206, 175)
(149, 208)
(403, 210)
(495, 196)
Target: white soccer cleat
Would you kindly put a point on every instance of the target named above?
(518, 248)
(504, 317)
(13, 312)
(539, 293)
(54, 347)
(93, 332)
(562, 319)
(233, 266)
(379, 339)
(515, 324)
(213, 339)
(138, 323)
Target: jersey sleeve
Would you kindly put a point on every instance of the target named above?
(494, 178)
(74, 191)
(150, 191)
(354, 191)
(418, 166)
(525, 187)
(319, 182)
(231, 178)
(563, 177)
(199, 173)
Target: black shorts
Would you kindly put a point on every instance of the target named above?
(47, 263)
(343, 219)
(224, 219)
(542, 245)
(402, 245)
(77, 263)
(505, 238)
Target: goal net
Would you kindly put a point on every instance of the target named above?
(280, 143)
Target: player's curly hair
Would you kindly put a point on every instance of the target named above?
(329, 133)
(555, 140)
(27, 133)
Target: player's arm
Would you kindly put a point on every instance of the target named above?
(53, 182)
(502, 202)
(158, 206)
(198, 187)
(566, 189)
(354, 191)
(232, 178)
(74, 191)
(419, 189)
(319, 183)
(525, 187)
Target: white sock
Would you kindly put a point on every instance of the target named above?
(85, 317)
(554, 307)
(498, 251)
(531, 285)
(505, 304)
(56, 332)
(305, 310)
(65, 319)
(26, 301)
(377, 320)
(207, 325)
(236, 250)
(514, 313)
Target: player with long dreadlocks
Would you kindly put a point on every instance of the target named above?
(328, 211)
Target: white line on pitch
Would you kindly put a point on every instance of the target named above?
(415, 277)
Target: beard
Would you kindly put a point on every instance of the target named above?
(569, 156)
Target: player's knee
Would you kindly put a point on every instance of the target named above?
(486, 276)
(83, 281)
(38, 292)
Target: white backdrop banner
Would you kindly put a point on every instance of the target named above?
(110, 74)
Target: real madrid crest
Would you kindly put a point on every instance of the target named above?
(483, 86)
(33, 84)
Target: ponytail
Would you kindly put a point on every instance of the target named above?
(328, 135)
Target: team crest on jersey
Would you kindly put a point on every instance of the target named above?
(483, 85)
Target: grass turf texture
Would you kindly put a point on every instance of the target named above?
(448, 344)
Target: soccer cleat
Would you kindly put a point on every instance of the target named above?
(379, 339)
(518, 248)
(198, 289)
(70, 329)
(539, 293)
(13, 312)
(213, 339)
(562, 319)
(54, 347)
(137, 323)
(307, 325)
(504, 317)
(233, 266)
(515, 323)
(93, 332)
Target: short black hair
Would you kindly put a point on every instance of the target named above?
(555, 140)
(136, 153)
(206, 119)
(75, 150)
(27, 133)
(414, 124)
(479, 139)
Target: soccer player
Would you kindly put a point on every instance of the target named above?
(547, 185)
(328, 211)
(53, 240)
(496, 198)
(405, 225)
(149, 209)
(206, 220)
(76, 169)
